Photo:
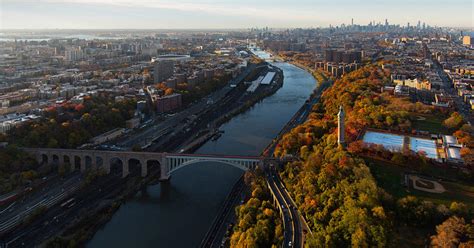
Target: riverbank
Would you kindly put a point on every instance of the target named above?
(234, 108)
(83, 230)
(253, 99)
(234, 103)
(319, 75)
(80, 230)
(197, 193)
(299, 117)
(224, 220)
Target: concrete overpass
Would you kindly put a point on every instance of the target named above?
(168, 162)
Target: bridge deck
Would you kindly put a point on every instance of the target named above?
(142, 153)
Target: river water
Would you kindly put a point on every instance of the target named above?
(178, 214)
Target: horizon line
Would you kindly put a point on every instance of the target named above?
(211, 28)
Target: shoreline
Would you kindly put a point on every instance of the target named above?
(103, 214)
(315, 95)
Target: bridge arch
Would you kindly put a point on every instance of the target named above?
(55, 160)
(44, 158)
(99, 162)
(87, 163)
(116, 165)
(66, 158)
(175, 163)
(76, 162)
(66, 162)
(148, 165)
(134, 166)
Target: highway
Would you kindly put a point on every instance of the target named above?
(49, 195)
(57, 218)
(293, 224)
(291, 220)
(147, 135)
(56, 191)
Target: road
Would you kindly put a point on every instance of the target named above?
(293, 223)
(49, 195)
(293, 235)
(298, 118)
(57, 191)
(149, 134)
(217, 236)
(57, 218)
(462, 107)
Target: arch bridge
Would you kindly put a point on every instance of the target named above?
(168, 162)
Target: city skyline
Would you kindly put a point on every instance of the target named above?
(202, 14)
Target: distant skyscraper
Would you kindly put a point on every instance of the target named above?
(352, 22)
(340, 127)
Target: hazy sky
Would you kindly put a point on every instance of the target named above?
(228, 14)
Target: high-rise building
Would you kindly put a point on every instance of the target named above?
(163, 69)
(467, 40)
(73, 54)
(340, 127)
(328, 55)
(168, 103)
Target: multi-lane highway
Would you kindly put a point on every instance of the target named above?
(293, 224)
(291, 218)
(49, 195)
(147, 135)
(57, 217)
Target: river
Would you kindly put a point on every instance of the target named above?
(178, 214)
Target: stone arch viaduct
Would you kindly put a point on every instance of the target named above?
(168, 162)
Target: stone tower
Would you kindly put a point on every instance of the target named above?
(340, 127)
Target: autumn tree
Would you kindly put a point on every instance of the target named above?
(454, 121)
(169, 91)
(454, 232)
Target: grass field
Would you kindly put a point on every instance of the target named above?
(430, 123)
(425, 184)
(390, 178)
